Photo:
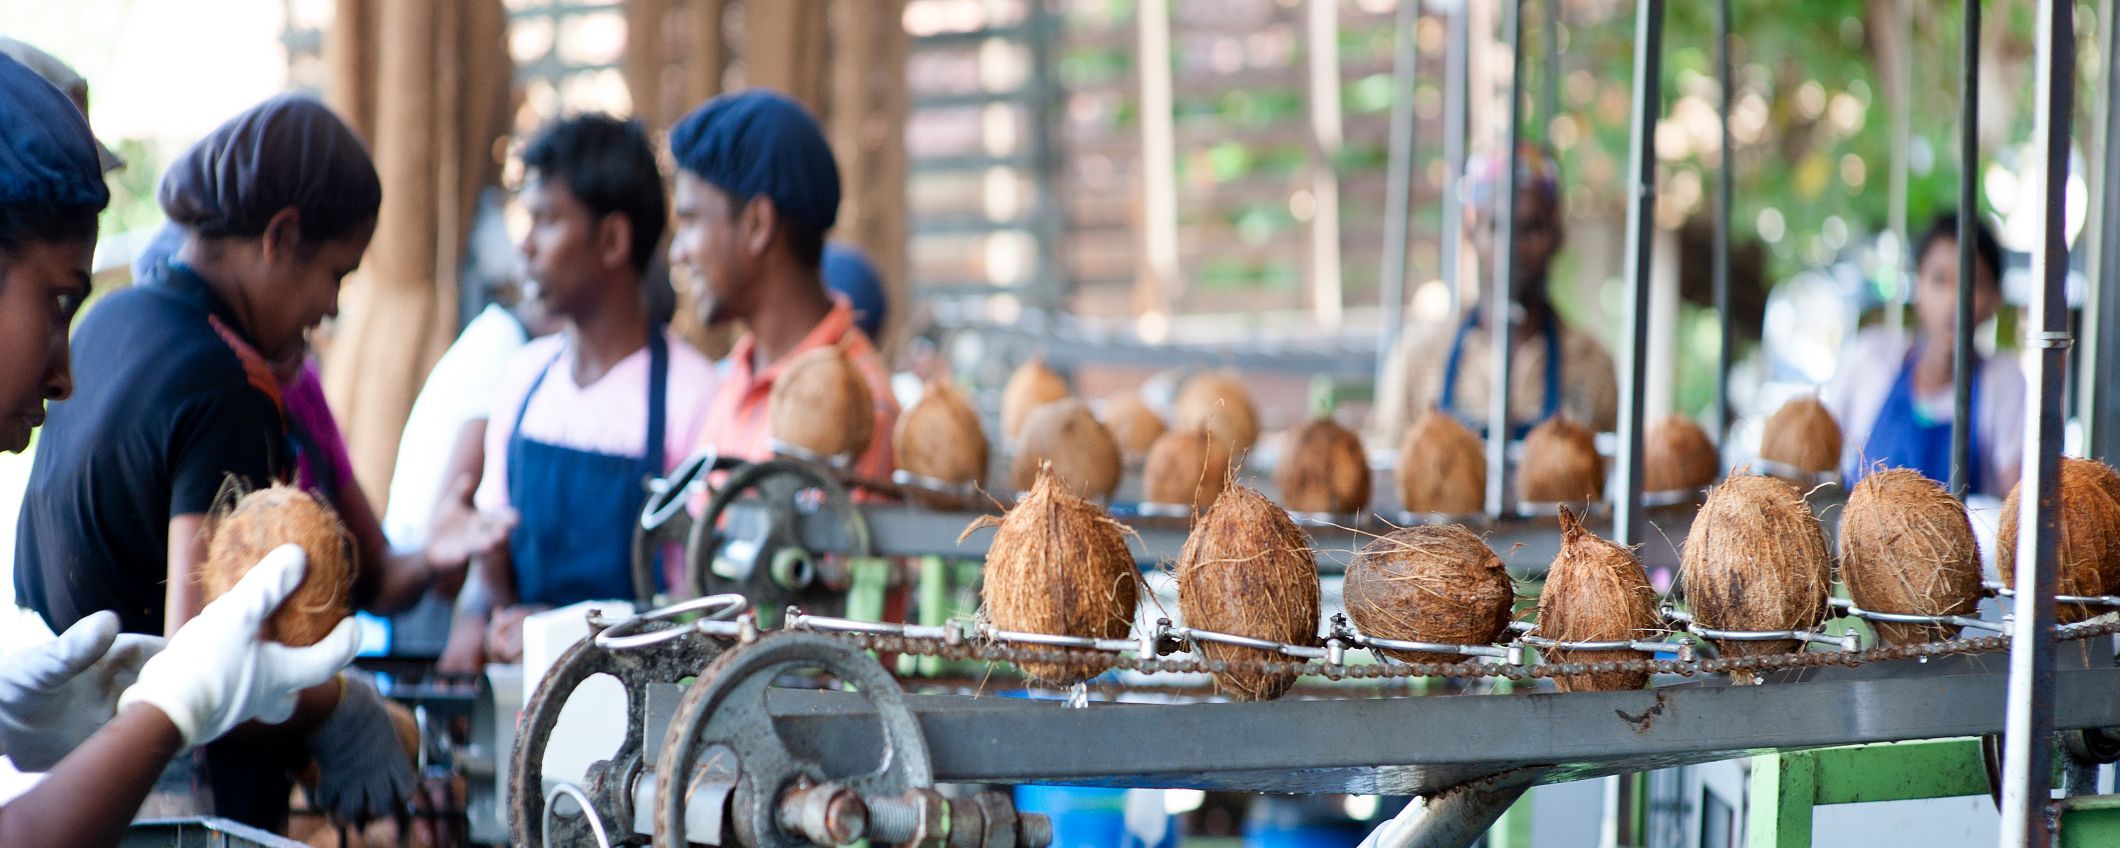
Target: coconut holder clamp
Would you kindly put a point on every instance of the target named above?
(759, 554)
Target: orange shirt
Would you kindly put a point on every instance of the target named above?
(737, 424)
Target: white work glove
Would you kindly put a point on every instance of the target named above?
(55, 695)
(362, 771)
(217, 673)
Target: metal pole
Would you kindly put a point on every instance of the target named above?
(1398, 182)
(1641, 227)
(2027, 756)
(1159, 170)
(1968, 218)
(1456, 818)
(1455, 75)
(2099, 423)
(1719, 417)
(1501, 337)
(1322, 35)
(1902, 136)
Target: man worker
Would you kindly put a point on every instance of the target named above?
(757, 189)
(1554, 368)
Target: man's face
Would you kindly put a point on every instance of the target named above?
(1936, 291)
(42, 285)
(708, 245)
(559, 251)
(1537, 239)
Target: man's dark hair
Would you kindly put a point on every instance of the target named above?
(805, 241)
(21, 223)
(610, 167)
(1986, 250)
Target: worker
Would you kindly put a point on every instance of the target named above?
(61, 707)
(1554, 368)
(177, 397)
(1893, 395)
(757, 189)
(584, 417)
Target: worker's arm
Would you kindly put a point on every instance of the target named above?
(91, 797)
(187, 554)
(467, 463)
(488, 586)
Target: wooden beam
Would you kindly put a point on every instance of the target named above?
(867, 130)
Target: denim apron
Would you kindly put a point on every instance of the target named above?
(1552, 404)
(1902, 437)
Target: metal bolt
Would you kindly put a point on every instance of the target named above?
(968, 825)
(916, 819)
(1033, 831)
(826, 814)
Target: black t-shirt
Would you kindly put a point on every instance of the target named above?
(169, 404)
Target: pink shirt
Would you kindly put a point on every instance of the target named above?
(737, 425)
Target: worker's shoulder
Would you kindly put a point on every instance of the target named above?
(147, 336)
(1579, 345)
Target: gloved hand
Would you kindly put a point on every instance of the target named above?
(216, 672)
(53, 696)
(362, 771)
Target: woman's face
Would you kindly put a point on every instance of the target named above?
(42, 285)
(1936, 290)
(303, 290)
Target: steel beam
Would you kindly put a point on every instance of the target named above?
(1968, 220)
(1641, 229)
(1501, 337)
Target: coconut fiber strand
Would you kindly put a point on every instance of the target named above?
(1058, 565)
(1595, 592)
(1907, 547)
(281, 515)
(1430, 583)
(1248, 570)
(1756, 560)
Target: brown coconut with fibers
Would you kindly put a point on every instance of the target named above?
(1058, 565)
(1218, 403)
(1248, 569)
(1756, 559)
(940, 436)
(822, 404)
(1186, 467)
(1907, 547)
(243, 533)
(1430, 583)
(1560, 463)
(1596, 591)
(1677, 454)
(1032, 386)
(1802, 434)
(1323, 469)
(1133, 424)
(1066, 436)
(1442, 467)
(2087, 554)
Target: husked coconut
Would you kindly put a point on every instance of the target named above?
(822, 404)
(1430, 583)
(1596, 591)
(1803, 435)
(2087, 554)
(940, 436)
(1677, 454)
(1442, 467)
(1323, 469)
(1132, 423)
(1186, 467)
(1058, 565)
(1032, 386)
(1081, 452)
(1756, 559)
(1907, 547)
(1248, 570)
(1218, 403)
(1560, 463)
(284, 515)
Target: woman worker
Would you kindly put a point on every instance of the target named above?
(1893, 394)
(215, 673)
(177, 397)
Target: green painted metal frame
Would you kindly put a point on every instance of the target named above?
(1787, 786)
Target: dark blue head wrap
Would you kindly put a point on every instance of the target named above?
(759, 142)
(47, 156)
(289, 151)
(849, 272)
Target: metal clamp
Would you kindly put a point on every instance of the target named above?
(621, 635)
(667, 495)
(596, 822)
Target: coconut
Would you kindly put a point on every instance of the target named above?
(1323, 469)
(1907, 547)
(1560, 463)
(1441, 467)
(2088, 549)
(1081, 452)
(1248, 570)
(1429, 583)
(1058, 565)
(1677, 454)
(1032, 386)
(1802, 435)
(940, 436)
(822, 404)
(275, 516)
(1218, 403)
(1756, 560)
(1132, 423)
(1186, 467)
(1595, 592)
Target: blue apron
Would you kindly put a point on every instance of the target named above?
(573, 539)
(1551, 331)
(1903, 438)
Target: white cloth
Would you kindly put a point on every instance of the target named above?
(1871, 363)
(459, 390)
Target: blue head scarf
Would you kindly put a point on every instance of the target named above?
(761, 143)
(849, 272)
(47, 156)
(290, 151)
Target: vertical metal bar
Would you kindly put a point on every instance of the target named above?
(2027, 756)
(1053, 278)
(2098, 415)
(1456, 72)
(1968, 219)
(1719, 417)
(1641, 227)
(1902, 134)
(1159, 174)
(1327, 299)
(1500, 336)
(1398, 180)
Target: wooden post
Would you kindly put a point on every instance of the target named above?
(867, 129)
(784, 49)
